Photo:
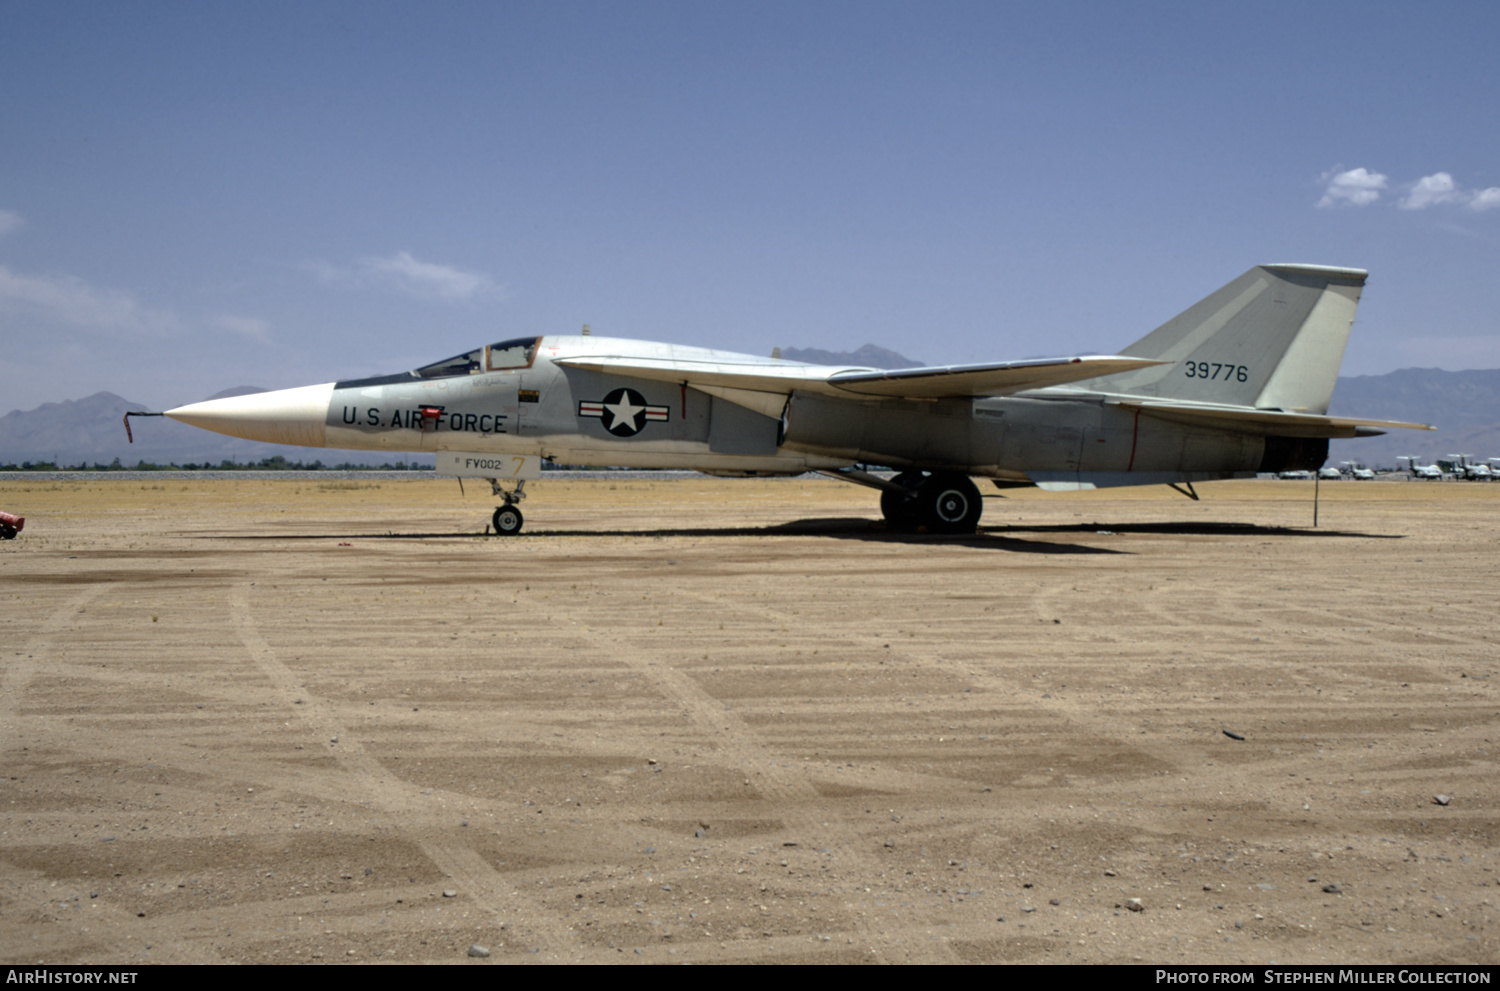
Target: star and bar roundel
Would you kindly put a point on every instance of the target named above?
(624, 412)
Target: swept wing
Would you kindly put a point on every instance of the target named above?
(942, 382)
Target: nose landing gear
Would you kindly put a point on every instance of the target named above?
(508, 518)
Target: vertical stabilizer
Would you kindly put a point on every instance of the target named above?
(1271, 339)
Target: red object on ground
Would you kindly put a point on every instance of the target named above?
(11, 525)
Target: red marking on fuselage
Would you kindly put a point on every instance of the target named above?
(1135, 433)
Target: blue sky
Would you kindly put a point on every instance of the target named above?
(200, 195)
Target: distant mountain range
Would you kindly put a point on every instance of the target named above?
(1464, 405)
(870, 355)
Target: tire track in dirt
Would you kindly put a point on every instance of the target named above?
(108, 927)
(991, 682)
(1076, 713)
(486, 887)
(1083, 714)
(789, 785)
(25, 663)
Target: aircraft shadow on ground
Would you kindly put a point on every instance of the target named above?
(836, 528)
(1200, 528)
(994, 538)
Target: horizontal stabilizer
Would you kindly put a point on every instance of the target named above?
(1270, 422)
(950, 381)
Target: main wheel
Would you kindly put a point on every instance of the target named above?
(507, 520)
(900, 510)
(949, 503)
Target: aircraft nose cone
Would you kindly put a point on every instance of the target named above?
(284, 416)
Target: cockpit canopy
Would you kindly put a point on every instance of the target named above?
(518, 352)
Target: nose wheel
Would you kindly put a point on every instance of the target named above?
(508, 519)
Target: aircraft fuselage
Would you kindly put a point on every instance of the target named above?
(577, 416)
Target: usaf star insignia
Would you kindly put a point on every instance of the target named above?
(624, 412)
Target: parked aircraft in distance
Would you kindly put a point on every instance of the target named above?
(1465, 467)
(1239, 383)
(1430, 473)
(1357, 471)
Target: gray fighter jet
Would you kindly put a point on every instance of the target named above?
(1237, 384)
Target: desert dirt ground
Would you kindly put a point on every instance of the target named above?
(738, 720)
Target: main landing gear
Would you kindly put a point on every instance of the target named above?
(508, 518)
(935, 501)
(941, 501)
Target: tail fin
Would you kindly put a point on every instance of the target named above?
(1271, 339)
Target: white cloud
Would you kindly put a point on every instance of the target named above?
(1486, 199)
(1429, 190)
(427, 279)
(329, 275)
(70, 300)
(257, 330)
(404, 273)
(10, 221)
(1361, 187)
(1357, 187)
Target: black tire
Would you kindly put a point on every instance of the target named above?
(507, 521)
(900, 510)
(949, 503)
(8, 532)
